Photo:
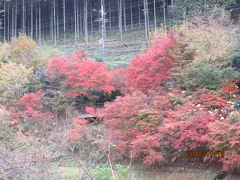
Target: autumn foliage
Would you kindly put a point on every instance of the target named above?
(177, 96)
(153, 68)
(79, 130)
(130, 120)
(79, 74)
(224, 135)
(29, 110)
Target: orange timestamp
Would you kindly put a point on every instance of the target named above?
(194, 154)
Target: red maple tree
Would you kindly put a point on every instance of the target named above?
(79, 74)
(29, 109)
(153, 68)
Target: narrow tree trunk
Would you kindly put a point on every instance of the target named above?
(86, 21)
(105, 20)
(8, 22)
(5, 23)
(64, 21)
(131, 11)
(57, 22)
(110, 15)
(139, 14)
(13, 16)
(36, 23)
(91, 21)
(146, 18)
(78, 30)
(124, 15)
(148, 23)
(80, 20)
(75, 20)
(164, 16)
(120, 18)
(103, 28)
(23, 17)
(54, 22)
(16, 11)
(40, 24)
(155, 16)
(31, 19)
(51, 21)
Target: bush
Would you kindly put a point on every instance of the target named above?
(187, 127)
(206, 75)
(208, 36)
(30, 115)
(78, 75)
(19, 157)
(15, 80)
(132, 123)
(224, 137)
(205, 40)
(152, 69)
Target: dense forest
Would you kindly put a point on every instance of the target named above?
(55, 19)
(168, 110)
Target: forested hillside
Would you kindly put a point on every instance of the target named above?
(58, 19)
(120, 90)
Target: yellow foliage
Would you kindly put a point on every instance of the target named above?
(4, 52)
(210, 38)
(14, 81)
(23, 45)
(42, 56)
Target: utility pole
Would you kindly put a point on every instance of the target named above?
(103, 21)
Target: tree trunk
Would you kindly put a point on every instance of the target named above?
(155, 16)
(146, 19)
(131, 11)
(16, 11)
(75, 20)
(36, 23)
(8, 22)
(86, 21)
(124, 15)
(78, 28)
(23, 17)
(139, 14)
(91, 21)
(54, 22)
(80, 21)
(40, 24)
(164, 16)
(103, 27)
(148, 25)
(110, 15)
(31, 19)
(51, 21)
(57, 22)
(13, 16)
(64, 21)
(120, 18)
(5, 23)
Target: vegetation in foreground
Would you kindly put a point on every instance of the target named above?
(181, 95)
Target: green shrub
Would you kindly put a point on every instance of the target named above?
(206, 75)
